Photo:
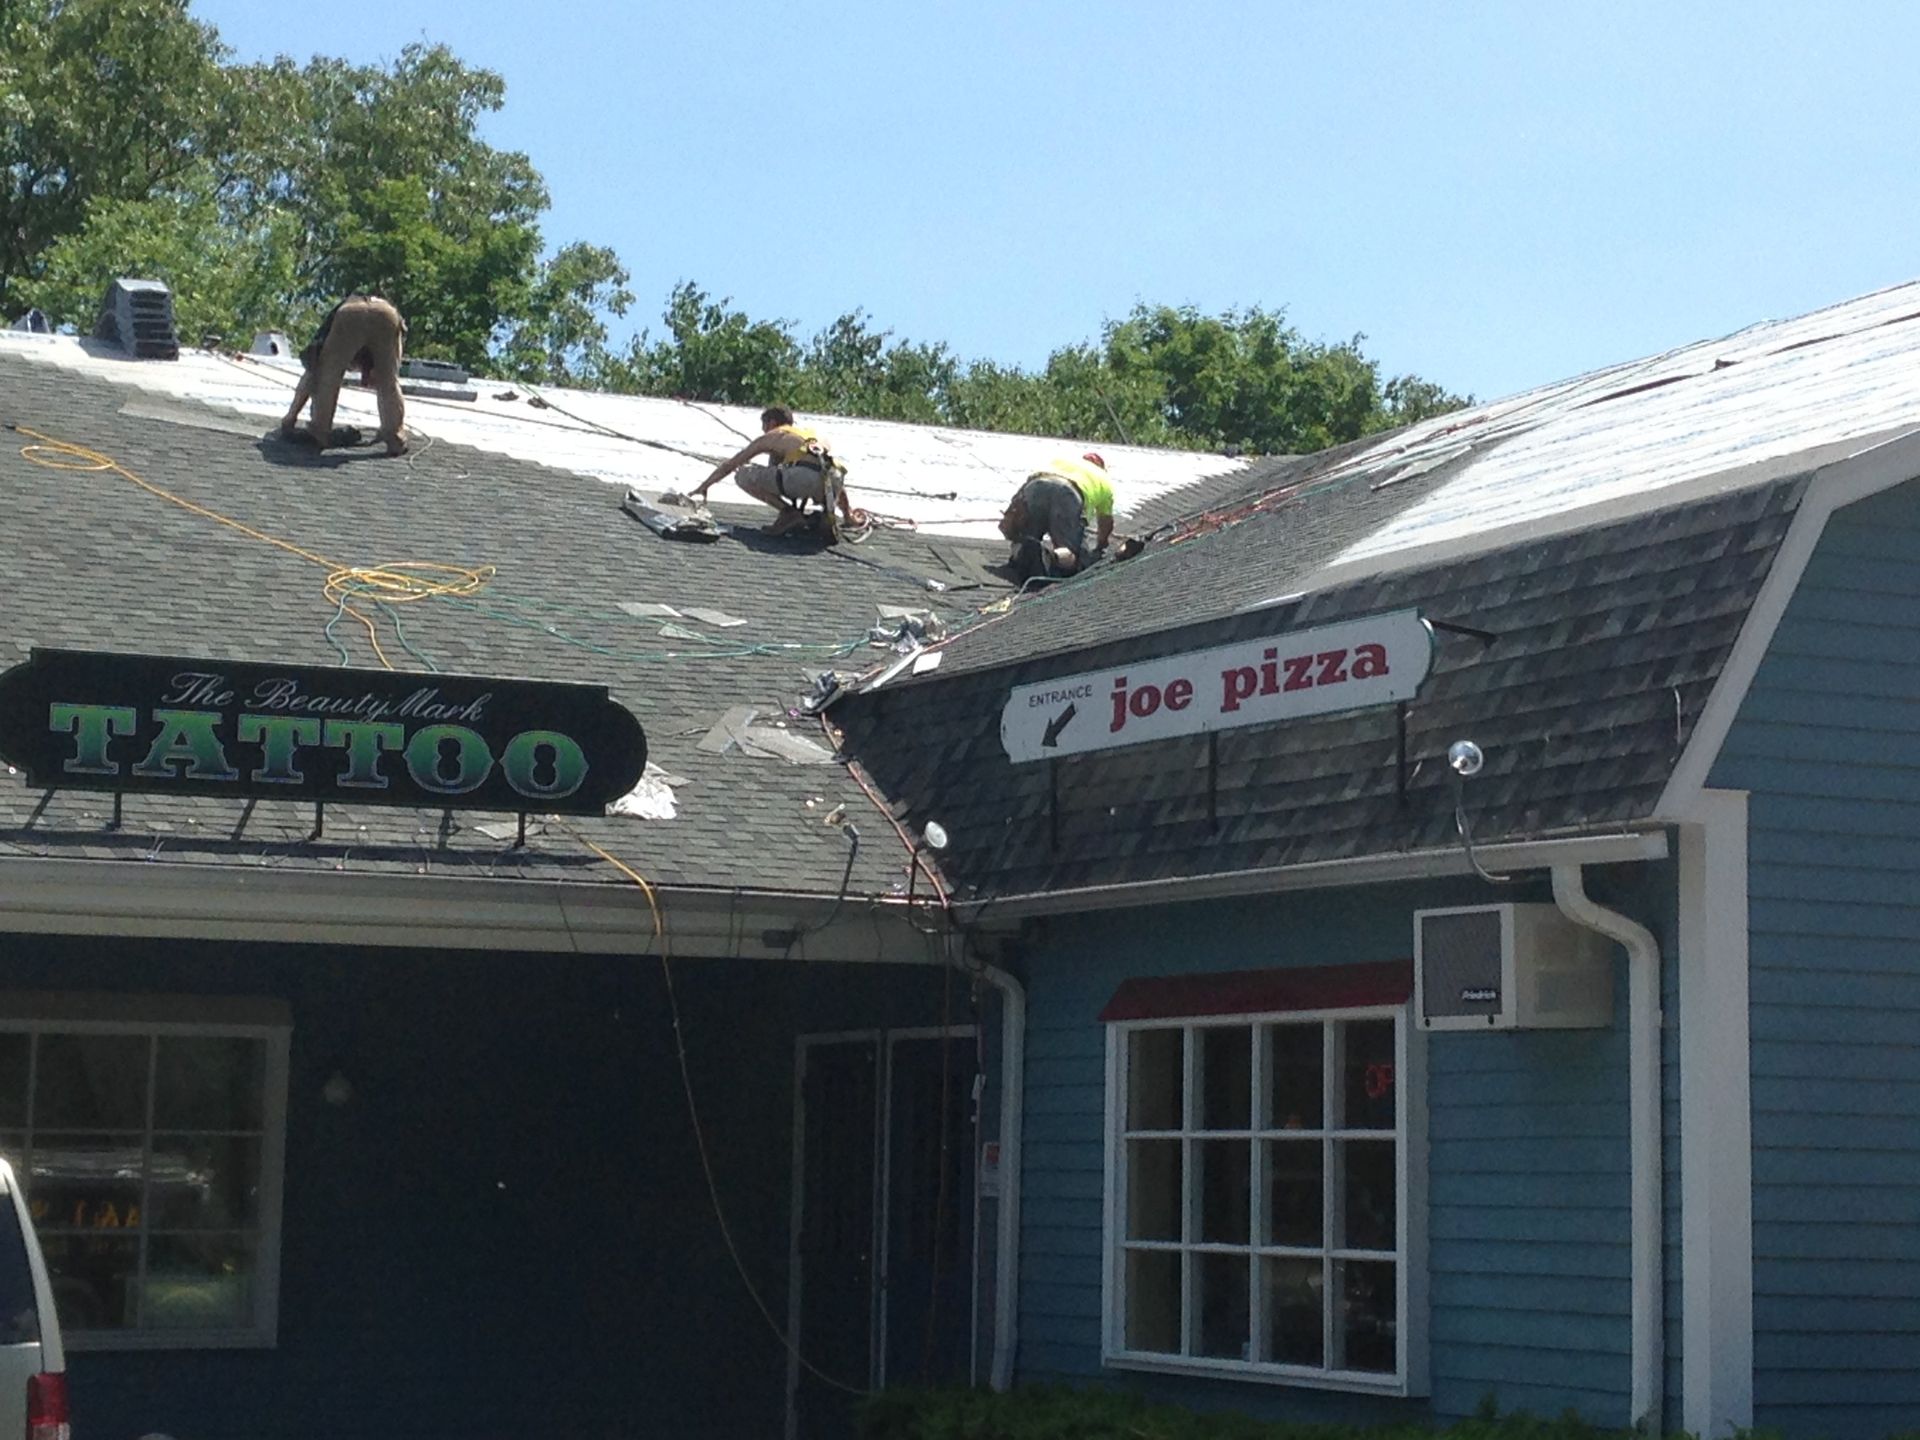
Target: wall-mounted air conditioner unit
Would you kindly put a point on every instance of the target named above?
(1509, 967)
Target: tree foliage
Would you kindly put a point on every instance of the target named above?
(1164, 375)
(100, 101)
(131, 142)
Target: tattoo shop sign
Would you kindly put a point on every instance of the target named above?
(164, 725)
(1356, 663)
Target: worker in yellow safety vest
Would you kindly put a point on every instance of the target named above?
(1050, 516)
(797, 468)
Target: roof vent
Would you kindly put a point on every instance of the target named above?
(34, 322)
(440, 372)
(435, 380)
(271, 342)
(137, 315)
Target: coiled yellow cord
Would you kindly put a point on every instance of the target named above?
(396, 582)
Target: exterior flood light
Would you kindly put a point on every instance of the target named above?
(934, 834)
(1465, 758)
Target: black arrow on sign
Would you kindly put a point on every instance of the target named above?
(1057, 724)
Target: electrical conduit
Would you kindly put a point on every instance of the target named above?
(1643, 1065)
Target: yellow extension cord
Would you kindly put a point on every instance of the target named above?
(396, 582)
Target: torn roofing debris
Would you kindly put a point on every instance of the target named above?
(148, 513)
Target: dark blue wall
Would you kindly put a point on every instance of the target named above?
(506, 1232)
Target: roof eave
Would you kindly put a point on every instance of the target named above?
(1616, 847)
(213, 902)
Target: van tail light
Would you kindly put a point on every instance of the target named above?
(48, 1416)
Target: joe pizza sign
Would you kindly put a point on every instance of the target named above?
(1356, 663)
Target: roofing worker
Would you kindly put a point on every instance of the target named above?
(799, 468)
(362, 332)
(1049, 517)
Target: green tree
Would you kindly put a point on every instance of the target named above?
(710, 352)
(1409, 399)
(127, 142)
(455, 289)
(228, 279)
(850, 368)
(1247, 379)
(100, 101)
(562, 337)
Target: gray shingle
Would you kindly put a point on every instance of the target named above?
(1604, 645)
(90, 560)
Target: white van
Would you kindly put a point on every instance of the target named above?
(33, 1368)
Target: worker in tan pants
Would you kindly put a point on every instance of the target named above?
(363, 331)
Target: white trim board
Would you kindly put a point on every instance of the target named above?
(1716, 1121)
(223, 902)
(1883, 467)
(1620, 847)
(1410, 1376)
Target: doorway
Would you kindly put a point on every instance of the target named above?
(883, 1166)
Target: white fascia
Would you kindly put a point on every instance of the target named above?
(1618, 847)
(1716, 1121)
(267, 904)
(1842, 483)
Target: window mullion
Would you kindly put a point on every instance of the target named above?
(1402, 1279)
(1189, 1184)
(1119, 1091)
(1258, 1120)
(1329, 1194)
(146, 1187)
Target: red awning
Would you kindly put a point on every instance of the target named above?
(1255, 992)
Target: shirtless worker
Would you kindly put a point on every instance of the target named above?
(797, 467)
(363, 332)
(1049, 516)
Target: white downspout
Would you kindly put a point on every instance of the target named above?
(1013, 1070)
(1643, 1064)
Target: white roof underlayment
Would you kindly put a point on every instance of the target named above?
(1623, 440)
(953, 482)
(1774, 398)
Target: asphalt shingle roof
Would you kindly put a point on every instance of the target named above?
(1604, 645)
(90, 560)
(1609, 533)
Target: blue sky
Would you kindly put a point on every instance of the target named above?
(1497, 195)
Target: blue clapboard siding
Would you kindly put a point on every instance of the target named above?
(1527, 1170)
(506, 1231)
(1828, 744)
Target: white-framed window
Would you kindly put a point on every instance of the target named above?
(1265, 1202)
(151, 1136)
